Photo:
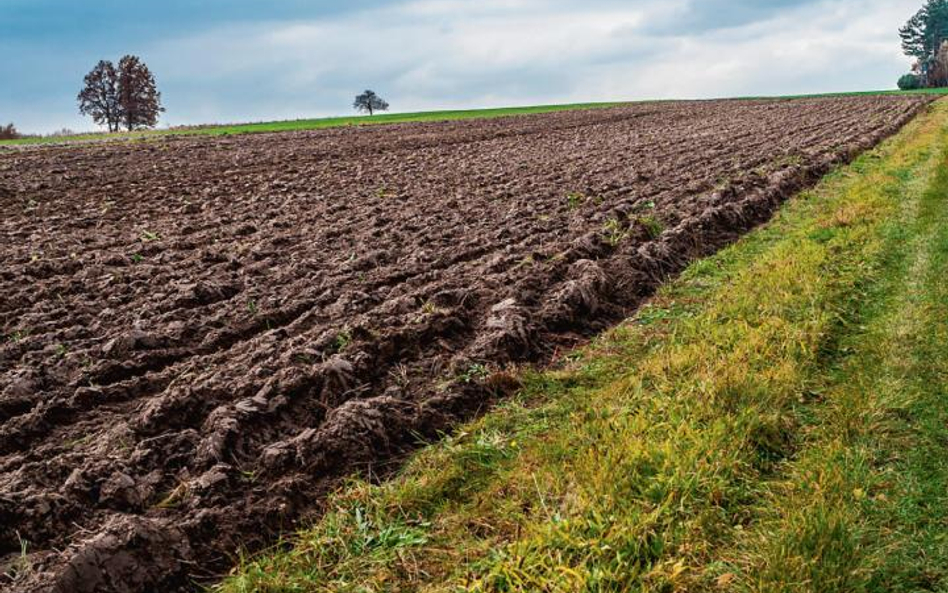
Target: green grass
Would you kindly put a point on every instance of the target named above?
(320, 123)
(864, 505)
(773, 420)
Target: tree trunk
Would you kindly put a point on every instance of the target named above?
(371, 113)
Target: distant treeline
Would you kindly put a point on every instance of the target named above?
(8, 132)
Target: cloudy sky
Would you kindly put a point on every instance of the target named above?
(253, 60)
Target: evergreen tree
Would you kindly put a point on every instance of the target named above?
(924, 33)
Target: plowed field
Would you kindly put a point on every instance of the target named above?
(201, 335)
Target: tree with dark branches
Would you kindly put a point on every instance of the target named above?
(369, 102)
(138, 94)
(124, 96)
(99, 97)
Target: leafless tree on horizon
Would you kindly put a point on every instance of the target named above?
(124, 96)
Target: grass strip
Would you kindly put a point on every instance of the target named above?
(864, 506)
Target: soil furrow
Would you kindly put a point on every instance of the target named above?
(202, 334)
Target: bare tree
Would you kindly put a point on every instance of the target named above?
(8, 132)
(99, 97)
(138, 94)
(123, 96)
(369, 102)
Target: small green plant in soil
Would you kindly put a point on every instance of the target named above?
(652, 225)
(613, 232)
(575, 199)
(341, 341)
(474, 372)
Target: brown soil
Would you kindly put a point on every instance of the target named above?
(200, 335)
